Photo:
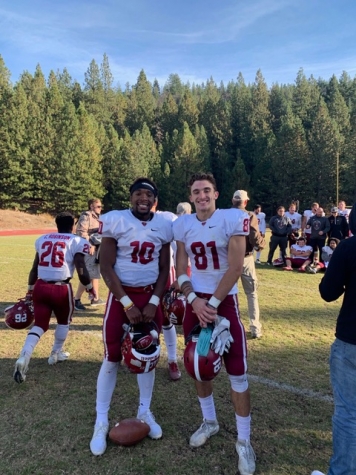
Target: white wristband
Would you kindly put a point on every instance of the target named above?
(89, 286)
(214, 302)
(126, 301)
(30, 287)
(155, 300)
(192, 296)
(183, 278)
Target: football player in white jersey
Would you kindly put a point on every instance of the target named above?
(134, 263)
(215, 242)
(261, 218)
(343, 211)
(308, 213)
(57, 254)
(296, 220)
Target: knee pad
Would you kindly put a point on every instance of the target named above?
(239, 384)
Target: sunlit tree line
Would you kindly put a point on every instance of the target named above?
(62, 143)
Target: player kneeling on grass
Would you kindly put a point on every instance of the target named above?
(49, 289)
(299, 256)
(134, 263)
(215, 242)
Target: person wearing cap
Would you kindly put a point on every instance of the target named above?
(248, 277)
(184, 208)
(280, 227)
(339, 227)
(134, 263)
(319, 226)
(261, 218)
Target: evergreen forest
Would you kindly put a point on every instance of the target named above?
(62, 143)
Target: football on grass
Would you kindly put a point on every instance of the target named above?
(129, 432)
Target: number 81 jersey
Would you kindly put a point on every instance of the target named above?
(206, 243)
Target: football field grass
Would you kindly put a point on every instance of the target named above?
(47, 422)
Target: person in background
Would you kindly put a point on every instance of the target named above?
(343, 211)
(49, 288)
(280, 227)
(184, 208)
(339, 227)
(249, 280)
(261, 219)
(299, 255)
(296, 220)
(340, 279)
(87, 227)
(308, 213)
(319, 226)
(328, 250)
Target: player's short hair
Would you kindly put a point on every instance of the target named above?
(184, 208)
(336, 240)
(257, 206)
(92, 201)
(146, 183)
(65, 222)
(203, 176)
(280, 207)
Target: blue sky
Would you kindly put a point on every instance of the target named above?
(195, 39)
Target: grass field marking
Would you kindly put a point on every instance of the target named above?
(289, 388)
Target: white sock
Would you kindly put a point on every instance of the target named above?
(170, 339)
(145, 383)
(104, 390)
(60, 335)
(208, 407)
(243, 427)
(258, 254)
(33, 337)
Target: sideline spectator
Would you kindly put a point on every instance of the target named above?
(300, 255)
(57, 254)
(328, 250)
(136, 277)
(319, 227)
(212, 291)
(248, 277)
(184, 208)
(87, 227)
(280, 227)
(340, 279)
(339, 227)
(261, 218)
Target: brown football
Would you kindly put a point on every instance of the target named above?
(129, 432)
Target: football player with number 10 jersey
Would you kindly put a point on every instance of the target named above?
(215, 242)
(134, 263)
(57, 254)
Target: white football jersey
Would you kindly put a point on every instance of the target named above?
(295, 219)
(206, 243)
(296, 247)
(138, 245)
(308, 213)
(56, 253)
(261, 218)
(345, 212)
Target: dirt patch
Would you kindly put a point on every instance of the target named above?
(17, 220)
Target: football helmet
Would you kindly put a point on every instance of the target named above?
(174, 304)
(20, 315)
(200, 368)
(140, 347)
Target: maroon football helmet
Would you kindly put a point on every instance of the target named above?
(200, 368)
(140, 347)
(174, 304)
(20, 315)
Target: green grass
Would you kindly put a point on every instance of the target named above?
(47, 422)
